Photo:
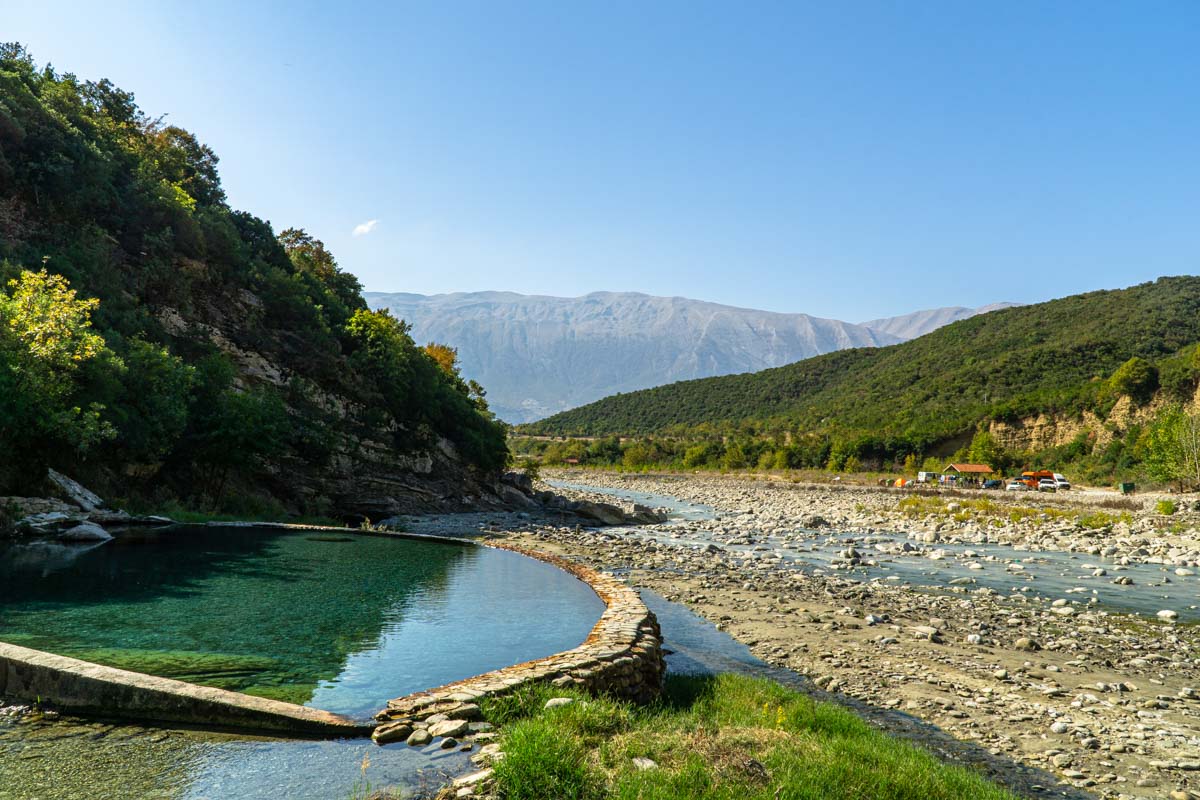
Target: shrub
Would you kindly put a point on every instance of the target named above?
(1121, 503)
(1137, 378)
(1165, 507)
(531, 468)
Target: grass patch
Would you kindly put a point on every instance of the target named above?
(986, 510)
(728, 737)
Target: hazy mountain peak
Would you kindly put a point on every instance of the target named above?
(919, 323)
(539, 354)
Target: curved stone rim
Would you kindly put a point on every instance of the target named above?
(621, 656)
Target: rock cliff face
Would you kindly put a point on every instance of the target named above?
(1041, 432)
(365, 477)
(540, 355)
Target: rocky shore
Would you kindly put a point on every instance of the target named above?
(1108, 702)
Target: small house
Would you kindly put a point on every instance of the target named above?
(968, 472)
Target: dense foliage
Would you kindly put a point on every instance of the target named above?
(1173, 448)
(135, 303)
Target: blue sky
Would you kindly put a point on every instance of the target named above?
(850, 159)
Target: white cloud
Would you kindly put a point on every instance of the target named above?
(363, 228)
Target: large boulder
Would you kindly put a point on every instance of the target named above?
(519, 480)
(514, 497)
(85, 532)
(48, 521)
(644, 515)
(118, 517)
(604, 513)
(73, 491)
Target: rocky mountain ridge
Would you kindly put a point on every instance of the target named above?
(538, 354)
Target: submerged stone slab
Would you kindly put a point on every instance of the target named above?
(83, 687)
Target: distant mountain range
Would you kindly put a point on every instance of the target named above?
(919, 323)
(539, 355)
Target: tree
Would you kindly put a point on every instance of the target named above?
(242, 431)
(700, 455)
(46, 337)
(308, 253)
(639, 455)
(342, 293)
(178, 157)
(444, 356)
(984, 449)
(1137, 378)
(1173, 448)
(735, 456)
(153, 411)
(424, 401)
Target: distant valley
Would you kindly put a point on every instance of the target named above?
(539, 355)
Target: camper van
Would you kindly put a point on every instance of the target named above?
(928, 477)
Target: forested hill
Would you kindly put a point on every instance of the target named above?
(165, 346)
(1066, 355)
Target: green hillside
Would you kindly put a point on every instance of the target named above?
(1058, 356)
(156, 342)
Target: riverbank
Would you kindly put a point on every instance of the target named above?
(1104, 700)
(710, 737)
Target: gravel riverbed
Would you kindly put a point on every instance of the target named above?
(1106, 701)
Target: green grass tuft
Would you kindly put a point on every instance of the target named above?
(541, 762)
(728, 737)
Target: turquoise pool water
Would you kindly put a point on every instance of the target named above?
(340, 622)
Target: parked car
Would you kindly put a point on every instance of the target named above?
(1047, 485)
(1063, 483)
(992, 484)
(1016, 486)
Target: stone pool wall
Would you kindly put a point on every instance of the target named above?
(622, 656)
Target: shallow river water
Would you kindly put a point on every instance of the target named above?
(1084, 580)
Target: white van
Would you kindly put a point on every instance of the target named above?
(928, 477)
(1062, 482)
